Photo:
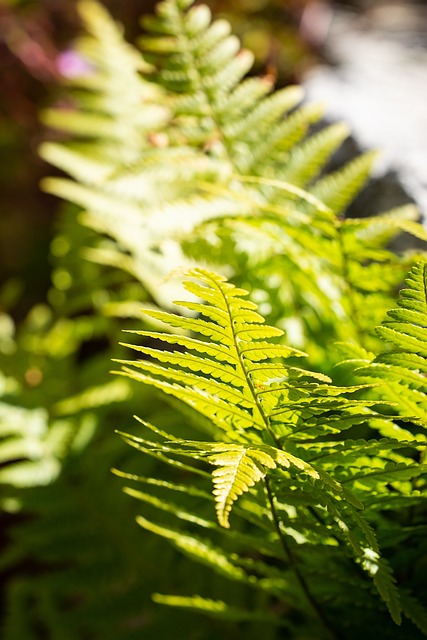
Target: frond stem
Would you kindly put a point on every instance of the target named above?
(294, 566)
(260, 409)
(249, 382)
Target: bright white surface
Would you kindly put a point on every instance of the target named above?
(380, 89)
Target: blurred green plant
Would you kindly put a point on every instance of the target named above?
(177, 158)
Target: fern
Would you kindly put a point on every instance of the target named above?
(189, 154)
(325, 261)
(402, 369)
(274, 422)
(203, 67)
(306, 495)
(59, 569)
(406, 324)
(95, 157)
(30, 451)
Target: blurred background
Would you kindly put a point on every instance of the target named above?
(366, 60)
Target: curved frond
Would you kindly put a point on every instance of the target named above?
(238, 469)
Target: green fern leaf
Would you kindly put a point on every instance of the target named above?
(414, 611)
(403, 369)
(215, 609)
(200, 549)
(337, 190)
(239, 382)
(273, 422)
(408, 324)
(238, 469)
(384, 581)
(311, 155)
(382, 227)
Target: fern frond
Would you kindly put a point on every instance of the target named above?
(154, 152)
(214, 608)
(407, 326)
(200, 549)
(216, 107)
(264, 411)
(311, 155)
(414, 611)
(403, 368)
(239, 468)
(31, 446)
(210, 127)
(238, 356)
(260, 395)
(382, 227)
(337, 190)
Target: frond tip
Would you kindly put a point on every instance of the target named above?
(239, 468)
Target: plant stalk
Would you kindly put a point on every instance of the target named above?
(294, 566)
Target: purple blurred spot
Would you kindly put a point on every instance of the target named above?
(71, 64)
